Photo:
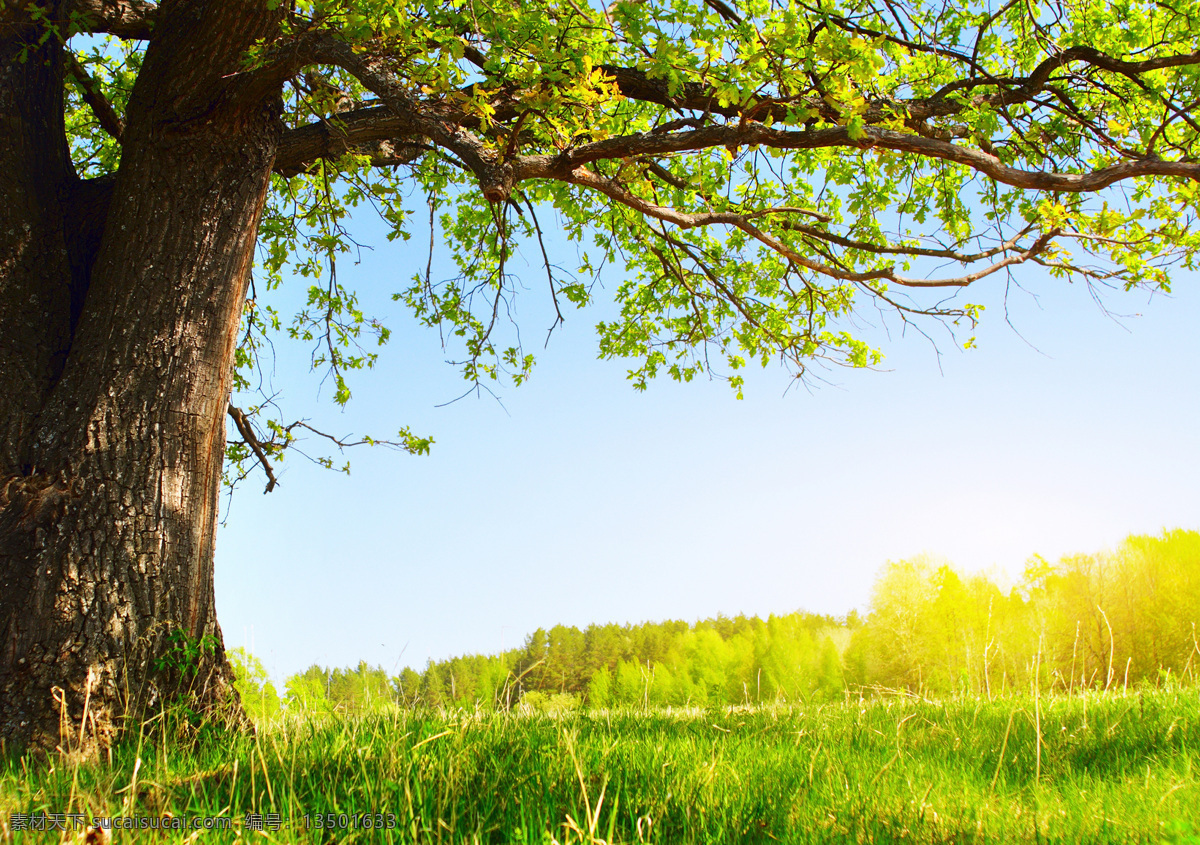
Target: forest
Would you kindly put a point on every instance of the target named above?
(1112, 619)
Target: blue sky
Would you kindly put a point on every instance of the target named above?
(579, 500)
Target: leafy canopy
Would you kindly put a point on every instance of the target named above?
(757, 169)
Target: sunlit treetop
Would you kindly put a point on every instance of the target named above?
(754, 171)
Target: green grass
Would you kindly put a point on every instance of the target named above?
(1111, 768)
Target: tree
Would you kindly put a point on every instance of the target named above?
(308, 691)
(564, 659)
(892, 647)
(599, 688)
(629, 684)
(254, 687)
(408, 687)
(435, 687)
(760, 169)
(830, 679)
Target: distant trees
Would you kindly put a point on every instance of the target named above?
(309, 690)
(253, 685)
(1088, 622)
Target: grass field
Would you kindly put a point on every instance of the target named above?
(1109, 768)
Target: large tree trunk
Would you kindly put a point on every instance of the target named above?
(119, 306)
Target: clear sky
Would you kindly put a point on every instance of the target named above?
(580, 500)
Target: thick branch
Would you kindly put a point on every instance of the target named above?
(1094, 57)
(362, 130)
(130, 19)
(414, 117)
(365, 127)
(563, 166)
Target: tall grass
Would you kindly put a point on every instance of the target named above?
(1090, 768)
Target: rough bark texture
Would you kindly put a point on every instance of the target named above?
(119, 306)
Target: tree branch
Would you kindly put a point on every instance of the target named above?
(109, 120)
(244, 428)
(694, 96)
(129, 19)
(412, 116)
(366, 131)
(563, 166)
(724, 11)
(743, 221)
(864, 246)
(406, 116)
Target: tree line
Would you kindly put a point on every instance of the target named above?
(1090, 621)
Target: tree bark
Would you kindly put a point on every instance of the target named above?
(120, 301)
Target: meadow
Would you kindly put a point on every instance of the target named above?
(1062, 708)
(1092, 767)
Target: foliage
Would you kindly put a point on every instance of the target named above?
(254, 687)
(183, 653)
(1096, 767)
(761, 171)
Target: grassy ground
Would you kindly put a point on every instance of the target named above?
(1108, 769)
